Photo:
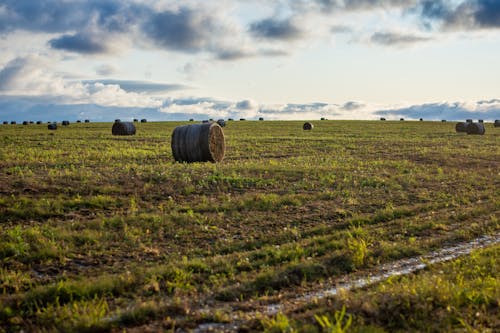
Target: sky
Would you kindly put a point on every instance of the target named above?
(276, 59)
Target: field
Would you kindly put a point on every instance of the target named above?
(107, 233)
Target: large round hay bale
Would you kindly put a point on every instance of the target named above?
(307, 126)
(461, 127)
(52, 126)
(476, 128)
(144, 120)
(496, 123)
(123, 128)
(65, 123)
(198, 143)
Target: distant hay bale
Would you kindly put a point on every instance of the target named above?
(221, 123)
(496, 123)
(443, 121)
(13, 123)
(230, 119)
(242, 119)
(323, 118)
(25, 122)
(191, 119)
(78, 121)
(198, 143)
(401, 119)
(39, 122)
(136, 120)
(307, 126)
(421, 119)
(261, 119)
(205, 121)
(476, 128)
(481, 121)
(52, 126)
(117, 120)
(31, 122)
(5, 122)
(382, 119)
(468, 121)
(87, 121)
(461, 127)
(65, 123)
(144, 120)
(123, 128)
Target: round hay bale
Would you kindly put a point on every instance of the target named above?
(461, 127)
(191, 119)
(476, 128)
(205, 121)
(382, 119)
(307, 126)
(401, 119)
(144, 121)
(221, 123)
(65, 122)
(123, 128)
(13, 123)
(468, 121)
(25, 122)
(481, 121)
(39, 122)
(136, 120)
(323, 118)
(87, 121)
(198, 143)
(230, 119)
(5, 122)
(52, 126)
(242, 119)
(496, 123)
(443, 121)
(261, 119)
(421, 119)
(78, 121)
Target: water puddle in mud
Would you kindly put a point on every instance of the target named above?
(400, 267)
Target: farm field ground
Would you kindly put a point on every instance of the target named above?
(108, 233)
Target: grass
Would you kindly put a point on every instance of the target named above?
(99, 232)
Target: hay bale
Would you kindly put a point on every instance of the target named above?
(136, 120)
(87, 121)
(476, 128)
(191, 119)
(78, 121)
(5, 122)
(39, 122)
(230, 119)
(480, 121)
(382, 119)
(25, 122)
(52, 126)
(307, 126)
(123, 128)
(496, 123)
(144, 121)
(461, 127)
(198, 143)
(205, 121)
(323, 118)
(468, 121)
(221, 123)
(443, 121)
(242, 119)
(65, 122)
(401, 119)
(13, 123)
(261, 119)
(421, 119)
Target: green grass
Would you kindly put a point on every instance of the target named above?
(107, 233)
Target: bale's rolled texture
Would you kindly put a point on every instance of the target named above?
(144, 121)
(123, 128)
(307, 126)
(52, 126)
(476, 128)
(461, 127)
(221, 123)
(65, 123)
(198, 143)
(496, 123)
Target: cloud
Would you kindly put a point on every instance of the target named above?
(106, 70)
(276, 29)
(397, 39)
(80, 43)
(350, 106)
(140, 86)
(467, 14)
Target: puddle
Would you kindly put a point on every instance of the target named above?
(400, 267)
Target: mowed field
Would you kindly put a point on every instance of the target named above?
(108, 233)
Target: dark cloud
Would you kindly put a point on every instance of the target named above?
(396, 39)
(11, 71)
(468, 14)
(350, 106)
(79, 43)
(354, 5)
(245, 105)
(438, 111)
(140, 86)
(275, 29)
